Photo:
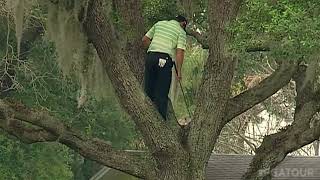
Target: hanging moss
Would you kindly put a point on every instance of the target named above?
(18, 7)
(93, 78)
(98, 79)
(64, 31)
(75, 55)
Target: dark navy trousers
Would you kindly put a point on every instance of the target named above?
(157, 79)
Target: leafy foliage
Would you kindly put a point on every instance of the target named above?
(37, 161)
(287, 27)
(42, 85)
(155, 10)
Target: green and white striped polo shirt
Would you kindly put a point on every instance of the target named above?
(166, 37)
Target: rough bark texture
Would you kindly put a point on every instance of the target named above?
(16, 119)
(214, 90)
(201, 38)
(275, 147)
(269, 86)
(101, 33)
(159, 138)
(130, 13)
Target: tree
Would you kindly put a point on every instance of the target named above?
(173, 152)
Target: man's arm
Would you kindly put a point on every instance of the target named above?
(181, 47)
(179, 62)
(146, 41)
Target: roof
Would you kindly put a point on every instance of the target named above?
(232, 167)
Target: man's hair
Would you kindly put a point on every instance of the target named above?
(181, 18)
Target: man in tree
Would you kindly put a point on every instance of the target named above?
(166, 42)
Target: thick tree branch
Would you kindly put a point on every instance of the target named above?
(188, 8)
(235, 8)
(304, 90)
(27, 134)
(201, 38)
(214, 90)
(157, 135)
(275, 147)
(131, 14)
(13, 119)
(262, 91)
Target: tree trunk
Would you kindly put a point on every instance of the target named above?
(198, 174)
(214, 91)
(172, 174)
(130, 11)
(275, 147)
(180, 169)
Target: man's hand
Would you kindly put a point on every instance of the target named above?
(146, 42)
(179, 62)
(179, 76)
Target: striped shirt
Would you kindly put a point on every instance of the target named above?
(166, 37)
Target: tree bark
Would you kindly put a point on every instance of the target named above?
(275, 147)
(214, 90)
(170, 157)
(269, 86)
(130, 12)
(38, 126)
(157, 134)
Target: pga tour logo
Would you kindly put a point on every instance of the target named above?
(293, 172)
(290, 172)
